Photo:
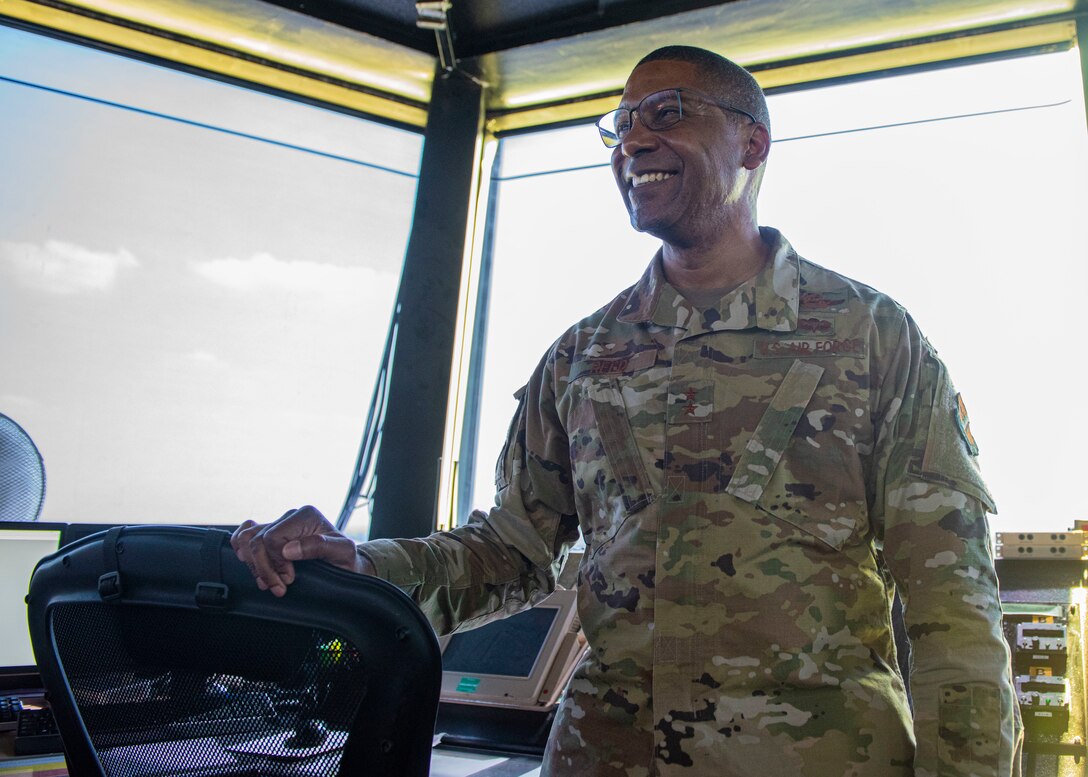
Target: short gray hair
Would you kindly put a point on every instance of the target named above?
(728, 81)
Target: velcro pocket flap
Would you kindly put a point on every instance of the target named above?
(767, 444)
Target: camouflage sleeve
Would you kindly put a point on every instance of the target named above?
(508, 558)
(930, 507)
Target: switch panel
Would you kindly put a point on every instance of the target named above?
(1041, 648)
(1044, 702)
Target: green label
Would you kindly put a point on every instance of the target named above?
(468, 684)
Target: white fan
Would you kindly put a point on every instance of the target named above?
(22, 474)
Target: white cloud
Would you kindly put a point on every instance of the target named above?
(203, 357)
(263, 271)
(58, 267)
(14, 405)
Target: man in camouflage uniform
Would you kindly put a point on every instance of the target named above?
(757, 451)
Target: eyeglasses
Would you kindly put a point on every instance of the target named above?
(657, 111)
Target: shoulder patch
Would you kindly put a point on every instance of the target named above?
(965, 425)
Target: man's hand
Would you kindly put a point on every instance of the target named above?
(269, 550)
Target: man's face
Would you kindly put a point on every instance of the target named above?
(678, 184)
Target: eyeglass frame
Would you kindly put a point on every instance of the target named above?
(607, 135)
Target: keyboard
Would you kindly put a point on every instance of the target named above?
(36, 732)
(10, 706)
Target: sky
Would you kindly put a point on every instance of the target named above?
(195, 285)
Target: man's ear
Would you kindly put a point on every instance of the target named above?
(759, 146)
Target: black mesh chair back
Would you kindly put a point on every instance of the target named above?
(22, 474)
(162, 658)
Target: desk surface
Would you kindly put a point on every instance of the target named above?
(450, 763)
(37, 766)
(444, 763)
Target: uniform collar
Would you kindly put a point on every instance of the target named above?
(766, 301)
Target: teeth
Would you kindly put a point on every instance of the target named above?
(638, 180)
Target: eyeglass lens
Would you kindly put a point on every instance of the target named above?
(657, 111)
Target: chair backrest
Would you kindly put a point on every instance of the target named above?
(22, 474)
(161, 657)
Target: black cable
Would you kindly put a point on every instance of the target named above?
(202, 125)
(814, 135)
(924, 121)
(361, 489)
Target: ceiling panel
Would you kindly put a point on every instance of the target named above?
(532, 55)
(485, 26)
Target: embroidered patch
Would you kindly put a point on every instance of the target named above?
(816, 326)
(775, 348)
(965, 425)
(614, 365)
(821, 300)
(691, 402)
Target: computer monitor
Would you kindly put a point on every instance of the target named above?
(523, 661)
(22, 545)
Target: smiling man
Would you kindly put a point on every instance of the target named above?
(758, 452)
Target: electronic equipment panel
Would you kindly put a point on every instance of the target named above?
(22, 545)
(502, 682)
(520, 661)
(1044, 594)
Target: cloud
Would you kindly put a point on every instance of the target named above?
(264, 272)
(14, 405)
(203, 357)
(63, 268)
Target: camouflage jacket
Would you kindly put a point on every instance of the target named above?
(751, 481)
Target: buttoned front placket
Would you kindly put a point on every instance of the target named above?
(690, 409)
(693, 479)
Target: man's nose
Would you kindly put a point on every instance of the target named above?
(639, 138)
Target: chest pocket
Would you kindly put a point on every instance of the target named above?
(818, 491)
(611, 482)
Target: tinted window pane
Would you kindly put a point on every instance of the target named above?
(195, 285)
(959, 191)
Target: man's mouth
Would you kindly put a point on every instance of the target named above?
(645, 178)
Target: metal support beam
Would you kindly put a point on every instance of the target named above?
(470, 432)
(1082, 48)
(408, 466)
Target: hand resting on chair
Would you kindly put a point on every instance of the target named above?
(270, 550)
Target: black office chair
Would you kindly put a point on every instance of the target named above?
(161, 657)
(22, 474)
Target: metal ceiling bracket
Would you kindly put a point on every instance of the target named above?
(433, 15)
